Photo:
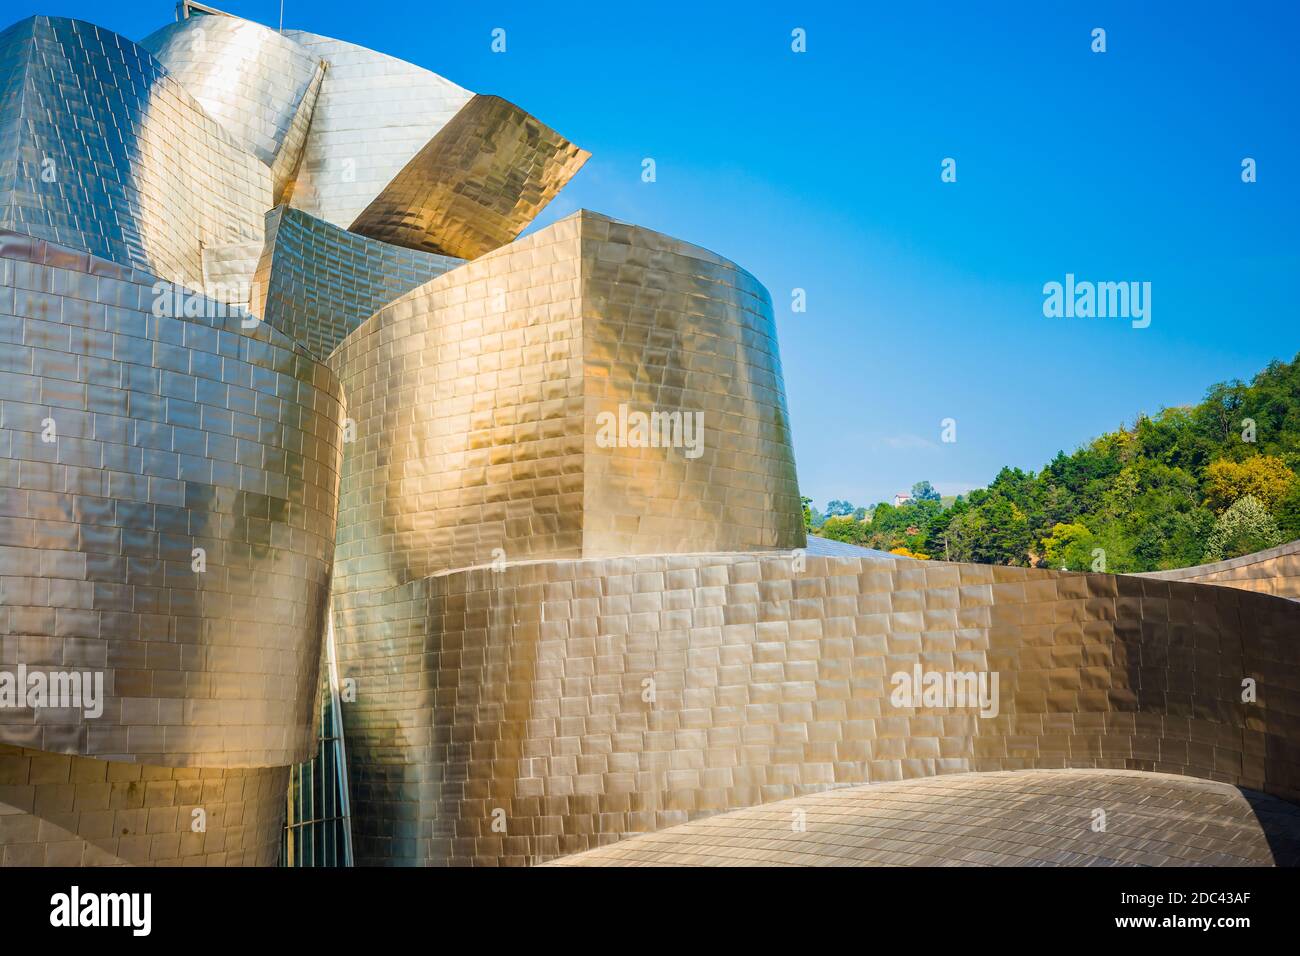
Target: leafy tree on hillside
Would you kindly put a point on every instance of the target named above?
(843, 528)
(1264, 477)
(1288, 514)
(924, 491)
(1166, 491)
(1070, 547)
(1245, 527)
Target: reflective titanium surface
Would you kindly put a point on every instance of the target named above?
(554, 635)
(1275, 571)
(373, 114)
(168, 434)
(58, 810)
(316, 282)
(110, 155)
(474, 186)
(577, 702)
(1024, 818)
(477, 398)
(170, 479)
(257, 84)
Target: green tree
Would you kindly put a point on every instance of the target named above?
(843, 528)
(1245, 527)
(1146, 494)
(1069, 546)
(1288, 514)
(1264, 477)
(924, 491)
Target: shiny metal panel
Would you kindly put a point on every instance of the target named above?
(510, 716)
(316, 282)
(109, 154)
(229, 272)
(169, 434)
(1275, 571)
(669, 327)
(474, 186)
(476, 399)
(259, 85)
(289, 160)
(467, 394)
(59, 810)
(374, 113)
(1022, 818)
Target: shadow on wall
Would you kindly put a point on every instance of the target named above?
(1275, 571)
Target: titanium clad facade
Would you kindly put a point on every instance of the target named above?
(583, 701)
(60, 810)
(477, 400)
(373, 114)
(1275, 571)
(673, 329)
(288, 161)
(316, 283)
(467, 398)
(474, 186)
(540, 493)
(260, 86)
(130, 439)
(106, 153)
(229, 273)
(1024, 818)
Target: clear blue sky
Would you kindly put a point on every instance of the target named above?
(822, 171)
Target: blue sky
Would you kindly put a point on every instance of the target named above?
(821, 171)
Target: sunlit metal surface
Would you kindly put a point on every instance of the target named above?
(374, 113)
(477, 395)
(830, 548)
(229, 272)
(112, 156)
(58, 810)
(257, 84)
(316, 282)
(556, 639)
(1275, 571)
(128, 439)
(288, 161)
(1024, 818)
(475, 185)
(510, 716)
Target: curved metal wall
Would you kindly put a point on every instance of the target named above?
(58, 810)
(671, 327)
(316, 283)
(550, 707)
(110, 155)
(1025, 818)
(374, 112)
(474, 186)
(127, 440)
(1275, 571)
(256, 83)
(476, 399)
(467, 399)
